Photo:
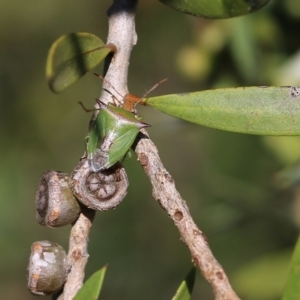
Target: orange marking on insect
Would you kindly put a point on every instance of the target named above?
(130, 101)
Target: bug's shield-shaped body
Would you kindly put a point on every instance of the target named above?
(111, 136)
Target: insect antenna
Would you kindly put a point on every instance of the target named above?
(150, 90)
(111, 86)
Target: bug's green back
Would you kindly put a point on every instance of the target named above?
(111, 136)
(122, 144)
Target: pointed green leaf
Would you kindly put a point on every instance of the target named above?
(71, 56)
(252, 110)
(92, 287)
(216, 9)
(185, 289)
(292, 288)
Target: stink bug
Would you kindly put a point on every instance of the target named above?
(114, 130)
(111, 136)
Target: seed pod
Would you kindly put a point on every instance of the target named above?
(47, 269)
(101, 190)
(55, 203)
(111, 136)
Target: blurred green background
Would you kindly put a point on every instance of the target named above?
(236, 186)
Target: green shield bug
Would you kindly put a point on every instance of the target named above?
(114, 130)
(111, 136)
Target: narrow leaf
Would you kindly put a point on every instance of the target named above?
(252, 110)
(216, 9)
(185, 289)
(292, 288)
(71, 56)
(92, 287)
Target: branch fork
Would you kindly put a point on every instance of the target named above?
(123, 35)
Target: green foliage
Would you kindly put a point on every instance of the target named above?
(92, 287)
(252, 110)
(216, 9)
(292, 288)
(185, 289)
(227, 178)
(71, 56)
(111, 136)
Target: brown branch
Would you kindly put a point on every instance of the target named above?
(122, 34)
(164, 191)
(78, 254)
